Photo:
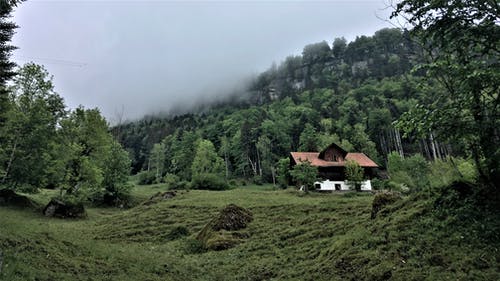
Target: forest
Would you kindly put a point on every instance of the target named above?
(138, 197)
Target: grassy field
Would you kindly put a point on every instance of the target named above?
(292, 237)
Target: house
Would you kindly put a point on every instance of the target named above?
(331, 167)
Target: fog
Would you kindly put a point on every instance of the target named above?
(146, 57)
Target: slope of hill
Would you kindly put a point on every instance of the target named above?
(292, 237)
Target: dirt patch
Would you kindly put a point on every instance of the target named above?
(225, 230)
(383, 199)
(60, 209)
(160, 196)
(10, 198)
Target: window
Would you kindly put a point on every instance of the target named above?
(337, 186)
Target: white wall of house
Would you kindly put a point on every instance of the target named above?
(328, 185)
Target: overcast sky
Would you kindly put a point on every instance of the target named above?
(152, 56)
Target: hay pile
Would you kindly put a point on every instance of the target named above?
(383, 199)
(225, 230)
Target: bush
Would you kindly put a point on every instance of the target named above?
(378, 184)
(174, 182)
(257, 180)
(146, 177)
(209, 182)
(180, 185)
(233, 183)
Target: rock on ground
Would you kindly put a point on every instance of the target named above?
(61, 209)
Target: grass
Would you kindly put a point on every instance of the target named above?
(292, 237)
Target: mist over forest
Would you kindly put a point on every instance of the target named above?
(145, 58)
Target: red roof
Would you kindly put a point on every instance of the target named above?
(360, 158)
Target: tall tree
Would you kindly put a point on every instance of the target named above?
(30, 127)
(7, 30)
(206, 160)
(462, 43)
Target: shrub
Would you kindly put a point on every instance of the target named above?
(209, 182)
(180, 185)
(233, 183)
(378, 184)
(146, 177)
(257, 180)
(174, 182)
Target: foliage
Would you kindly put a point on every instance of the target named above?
(30, 129)
(116, 173)
(461, 43)
(95, 164)
(410, 172)
(283, 172)
(350, 94)
(209, 182)
(304, 174)
(7, 29)
(206, 160)
(146, 177)
(157, 159)
(354, 174)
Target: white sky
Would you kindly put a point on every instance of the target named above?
(152, 56)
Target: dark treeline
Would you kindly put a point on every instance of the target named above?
(350, 93)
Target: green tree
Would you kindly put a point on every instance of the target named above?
(206, 160)
(30, 129)
(461, 40)
(309, 139)
(354, 174)
(157, 159)
(283, 172)
(304, 174)
(95, 164)
(7, 30)
(116, 173)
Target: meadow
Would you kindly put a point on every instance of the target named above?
(293, 236)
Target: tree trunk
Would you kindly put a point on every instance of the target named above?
(11, 159)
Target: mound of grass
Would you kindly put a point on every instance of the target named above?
(382, 199)
(222, 232)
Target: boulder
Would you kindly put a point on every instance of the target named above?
(9, 198)
(225, 230)
(62, 209)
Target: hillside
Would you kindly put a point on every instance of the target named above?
(293, 237)
(344, 92)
